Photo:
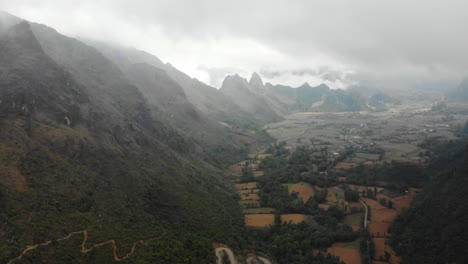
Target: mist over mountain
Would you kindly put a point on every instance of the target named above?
(233, 132)
(255, 97)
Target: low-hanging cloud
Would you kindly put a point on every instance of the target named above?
(379, 40)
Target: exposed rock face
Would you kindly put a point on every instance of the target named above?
(256, 82)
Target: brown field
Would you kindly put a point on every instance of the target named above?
(347, 252)
(394, 259)
(373, 204)
(383, 215)
(378, 228)
(381, 195)
(379, 248)
(345, 165)
(258, 173)
(259, 220)
(355, 205)
(324, 206)
(241, 192)
(342, 179)
(304, 189)
(246, 186)
(250, 196)
(402, 202)
(295, 218)
(263, 155)
(235, 168)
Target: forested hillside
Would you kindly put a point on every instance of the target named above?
(81, 148)
(434, 229)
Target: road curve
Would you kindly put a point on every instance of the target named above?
(365, 216)
(228, 251)
(85, 250)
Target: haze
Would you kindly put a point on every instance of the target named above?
(396, 44)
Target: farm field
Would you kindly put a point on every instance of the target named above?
(347, 252)
(378, 229)
(353, 220)
(304, 190)
(247, 191)
(259, 220)
(380, 248)
(398, 131)
(250, 196)
(295, 218)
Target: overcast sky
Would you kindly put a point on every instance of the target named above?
(379, 43)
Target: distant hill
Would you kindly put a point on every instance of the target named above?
(460, 93)
(254, 96)
(249, 98)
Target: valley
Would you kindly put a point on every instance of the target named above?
(108, 154)
(324, 162)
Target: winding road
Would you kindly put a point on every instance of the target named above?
(85, 250)
(225, 250)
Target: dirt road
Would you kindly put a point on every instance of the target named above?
(83, 249)
(224, 250)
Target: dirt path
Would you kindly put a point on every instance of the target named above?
(85, 250)
(228, 251)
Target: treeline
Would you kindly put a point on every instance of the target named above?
(288, 243)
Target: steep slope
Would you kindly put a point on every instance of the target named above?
(165, 94)
(239, 90)
(81, 149)
(435, 228)
(208, 100)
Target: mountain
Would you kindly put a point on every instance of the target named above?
(460, 93)
(260, 99)
(83, 149)
(256, 82)
(240, 91)
(206, 99)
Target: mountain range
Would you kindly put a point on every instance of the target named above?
(113, 141)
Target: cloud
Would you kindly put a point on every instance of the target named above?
(380, 41)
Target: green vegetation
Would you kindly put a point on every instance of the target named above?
(293, 243)
(126, 193)
(434, 229)
(288, 243)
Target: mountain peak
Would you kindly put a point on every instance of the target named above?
(256, 81)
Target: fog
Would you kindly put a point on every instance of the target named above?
(342, 43)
